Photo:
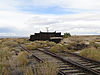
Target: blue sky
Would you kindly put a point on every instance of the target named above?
(25, 17)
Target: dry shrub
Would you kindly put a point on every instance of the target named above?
(77, 46)
(50, 44)
(14, 50)
(36, 45)
(43, 43)
(21, 41)
(71, 45)
(0, 41)
(32, 46)
(4, 70)
(4, 58)
(29, 71)
(93, 44)
(5, 54)
(13, 62)
(47, 43)
(39, 44)
(58, 48)
(91, 53)
(10, 43)
(23, 58)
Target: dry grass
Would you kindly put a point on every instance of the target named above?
(45, 68)
(95, 45)
(91, 53)
(29, 71)
(4, 71)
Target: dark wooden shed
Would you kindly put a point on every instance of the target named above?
(44, 36)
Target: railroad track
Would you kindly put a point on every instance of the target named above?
(95, 65)
(66, 66)
(89, 63)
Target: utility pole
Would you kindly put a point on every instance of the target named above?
(47, 28)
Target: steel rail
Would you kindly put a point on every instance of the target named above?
(71, 62)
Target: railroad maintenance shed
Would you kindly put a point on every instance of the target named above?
(44, 36)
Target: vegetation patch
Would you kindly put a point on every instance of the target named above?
(29, 71)
(22, 40)
(5, 55)
(32, 45)
(10, 43)
(39, 44)
(59, 48)
(23, 58)
(47, 44)
(91, 53)
(66, 35)
(45, 68)
(95, 45)
(77, 46)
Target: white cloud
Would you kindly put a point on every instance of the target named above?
(28, 23)
(25, 24)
